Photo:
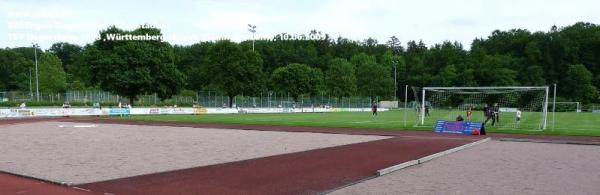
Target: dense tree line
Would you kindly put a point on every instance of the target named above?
(568, 56)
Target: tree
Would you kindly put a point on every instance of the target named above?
(192, 61)
(578, 84)
(235, 71)
(131, 68)
(14, 71)
(70, 56)
(297, 79)
(416, 74)
(395, 45)
(445, 54)
(66, 53)
(495, 70)
(466, 78)
(340, 79)
(532, 76)
(80, 73)
(373, 79)
(51, 74)
(397, 62)
(448, 76)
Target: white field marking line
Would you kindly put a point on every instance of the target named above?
(261, 119)
(377, 122)
(421, 126)
(362, 122)
(85, 126)
(427, 158)
(168, 120)
(83, 189)
(78, 126)
(569, 129)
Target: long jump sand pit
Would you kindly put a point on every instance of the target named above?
(77, 153)
(496, 168)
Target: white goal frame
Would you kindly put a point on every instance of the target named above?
(545, 105)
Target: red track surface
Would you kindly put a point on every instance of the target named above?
(307, 172)
(10, 184)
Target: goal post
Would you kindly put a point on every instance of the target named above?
(447, 103)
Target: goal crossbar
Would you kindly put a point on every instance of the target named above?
(502, 87)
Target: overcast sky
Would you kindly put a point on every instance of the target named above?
(186, 22)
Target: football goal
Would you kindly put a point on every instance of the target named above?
(565, 106)
(523, 108)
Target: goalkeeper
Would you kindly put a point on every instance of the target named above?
(488, 112)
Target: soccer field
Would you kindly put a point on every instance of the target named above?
(567, 123)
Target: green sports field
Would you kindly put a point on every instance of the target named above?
(567, 123)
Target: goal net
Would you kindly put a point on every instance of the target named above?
(448, 103)
(565, 106)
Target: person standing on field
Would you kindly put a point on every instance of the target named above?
(497, 112)
(374, 108)
(488, 112)
(518, 116)
(469, 114)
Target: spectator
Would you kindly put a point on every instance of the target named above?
(459, 118)
(66, 104)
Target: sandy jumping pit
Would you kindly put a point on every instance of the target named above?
(496, 168)
(77, 153)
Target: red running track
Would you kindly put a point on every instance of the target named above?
(11, 184)
(307, 172)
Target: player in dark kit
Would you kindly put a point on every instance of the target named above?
(374, 108)
(488, 112)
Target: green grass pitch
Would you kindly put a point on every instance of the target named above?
(567, 123)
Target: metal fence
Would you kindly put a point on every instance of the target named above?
(282, 100)
(203, 98)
